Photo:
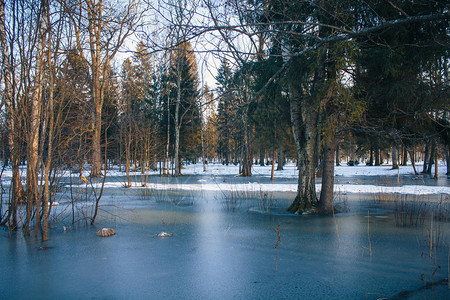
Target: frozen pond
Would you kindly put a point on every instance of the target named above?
(223, 247)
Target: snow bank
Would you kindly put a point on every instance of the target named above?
(274, 187)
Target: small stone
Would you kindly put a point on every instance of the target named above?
(106, 232)
(164, 234)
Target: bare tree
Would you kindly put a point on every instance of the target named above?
(107, 27)
(8, 98)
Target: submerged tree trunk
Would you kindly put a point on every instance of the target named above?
(51, 127)
(326, 194)
(304, 127)
(35, 120)
(14, 125)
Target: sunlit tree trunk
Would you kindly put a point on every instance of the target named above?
(51, 131)
(36, 109)
(95, 11)
(14, 129)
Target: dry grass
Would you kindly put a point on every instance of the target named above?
(235, 198)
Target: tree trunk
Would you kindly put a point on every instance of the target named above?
(177, 158)
(447, 156)
(394, 154)
(247, 152)
(431, 157)
(405, 156)
(177, 119)
(338, 163)
(281, 159)
(14, 124)
(326, 194)
(436, 164)
(166, 162)
(274, 158)
(413, 163)
(377, 155)
(48, 163)
(261, 155)
(35, 120)
(96, 147)
(304, 128)
(371, 156)
(426, 155)
(203, 142)
(128, 153)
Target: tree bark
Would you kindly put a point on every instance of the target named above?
(447, 154)
(371, 156)
(394, 154)
(377, 155)
(247, 158)
(338, 163)
(281, 158)
(426, 155)
(261, 155)
(35, 120)
(95, 27)
(304, 127)
(431, 156)
(274, 158)
(326, 194)
(413, 162)
(436, 164)
(177, 116)
(405, 156)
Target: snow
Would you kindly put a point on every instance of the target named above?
(215, 182)
(290, 170)
(288, 187)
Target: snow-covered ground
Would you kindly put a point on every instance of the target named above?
(290, 170)
(285, 180)
(215, 182)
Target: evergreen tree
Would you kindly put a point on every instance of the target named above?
(225, 111)
(183, 93)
